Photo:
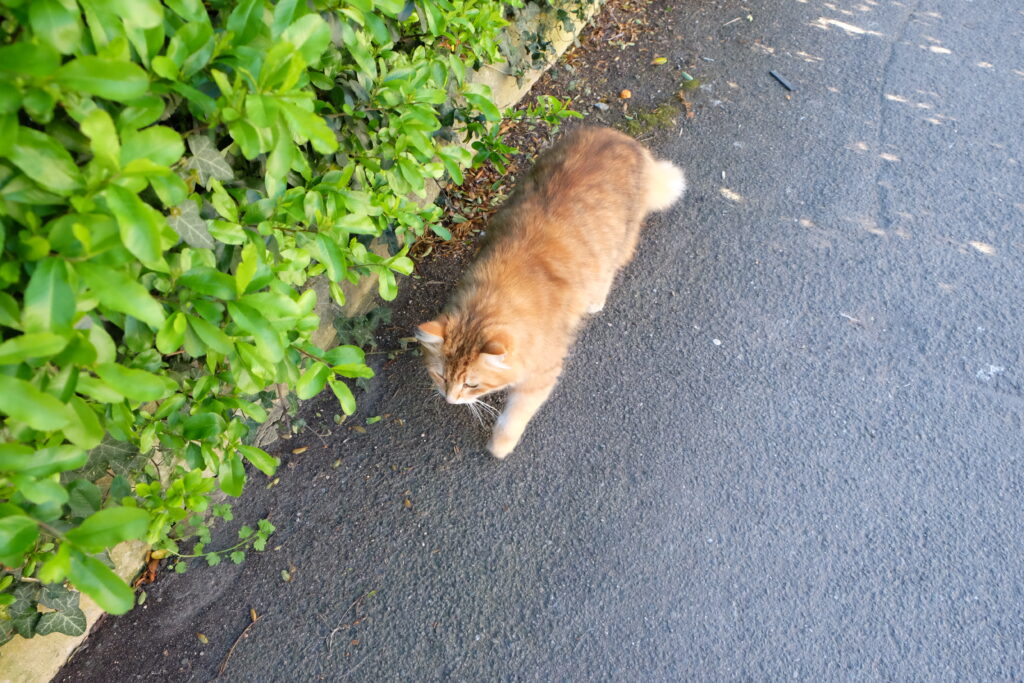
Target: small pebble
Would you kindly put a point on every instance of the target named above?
(716, 342)
(600, 106)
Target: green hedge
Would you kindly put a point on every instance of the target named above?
(172, 174)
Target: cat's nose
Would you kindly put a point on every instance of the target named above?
(452, 398)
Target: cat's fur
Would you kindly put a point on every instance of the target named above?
(550, 258)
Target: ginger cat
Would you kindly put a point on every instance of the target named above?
(550, 258)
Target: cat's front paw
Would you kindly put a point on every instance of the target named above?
(501, 445)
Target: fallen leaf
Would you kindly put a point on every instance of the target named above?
(297, 451)
(359, 429)
(252, 614)
(202, 638)
(286, 575)
(659, 60)
(625, 95)
(407, 503)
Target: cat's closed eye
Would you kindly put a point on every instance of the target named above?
(471, 386)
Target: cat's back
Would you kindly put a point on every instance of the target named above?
(595, 163)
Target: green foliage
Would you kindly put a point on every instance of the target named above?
(172, 174)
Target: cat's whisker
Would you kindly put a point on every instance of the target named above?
(487, 407)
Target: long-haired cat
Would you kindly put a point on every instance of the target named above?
(550, 258)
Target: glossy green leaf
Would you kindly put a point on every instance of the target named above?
(103, 140)
(246, 20)
(310, 35)
(136, 384)
(171, 335)
(107, 528)
(260, 459)
(312, 381)
(28, 405)
(100, 583)
(212, 336)
(41, 463)
(31, 345)
(45, 161)
(118, 292)
(107, 78)
(28, 59)
(330, 255)
(49, 304)
(138, 223)
(209, 281)
(160, 144)
(44, 492)
(84, 428)
(56, 23)
(140, 13)
(202, 426)
(18, 535)
(251, 321)
(231, 475)
(344, 395)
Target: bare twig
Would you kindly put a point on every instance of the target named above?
(243, 634)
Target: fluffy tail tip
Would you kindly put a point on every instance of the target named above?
(666, 185)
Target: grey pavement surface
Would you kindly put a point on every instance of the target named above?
(789, 447)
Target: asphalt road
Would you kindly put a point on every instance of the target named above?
(789, 447)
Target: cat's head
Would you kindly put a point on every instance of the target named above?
(463, 361)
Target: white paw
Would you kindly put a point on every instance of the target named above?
(501, 445)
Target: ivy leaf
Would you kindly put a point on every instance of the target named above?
(184, 219)
(207, 161)
(59, 598)
(70, 622)
(84, 498)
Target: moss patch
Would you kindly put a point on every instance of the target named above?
(664, 116)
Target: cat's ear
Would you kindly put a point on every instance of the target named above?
(432, 332)
(493, 354)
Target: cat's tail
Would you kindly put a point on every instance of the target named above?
(665, 184)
